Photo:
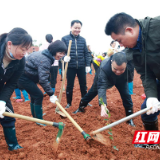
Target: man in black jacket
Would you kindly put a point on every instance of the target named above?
(112, 72)
(142, 38)
(80, 60)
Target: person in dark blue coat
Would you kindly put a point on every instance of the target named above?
(13, 47)
(80, 60)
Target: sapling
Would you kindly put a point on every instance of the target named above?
(110, 130)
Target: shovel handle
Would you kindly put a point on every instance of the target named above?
(64, 74)
(30, 119)
(121, 120)
(69, 117)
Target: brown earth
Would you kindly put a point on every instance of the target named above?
(38, 141)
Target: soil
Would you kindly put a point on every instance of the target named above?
(38, 141)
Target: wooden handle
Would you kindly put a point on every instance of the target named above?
(28, 118)
(69, 117)
(64, 76)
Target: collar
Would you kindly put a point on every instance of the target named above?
(74, 35)
(139, 42)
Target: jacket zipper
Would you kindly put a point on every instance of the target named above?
(76, 53)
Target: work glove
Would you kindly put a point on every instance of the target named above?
(67, 58)
(104, 111)
(60, 71)
(2, 108)
(152, 102)
(53, 98)
(88, 69)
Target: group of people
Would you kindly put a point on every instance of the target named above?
(140, 38)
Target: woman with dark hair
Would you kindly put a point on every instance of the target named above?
(37, 70)
(13, 47)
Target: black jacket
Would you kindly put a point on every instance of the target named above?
(9, 76)
(37, 69)
(147, 62)
(107, 78)
(79, 54)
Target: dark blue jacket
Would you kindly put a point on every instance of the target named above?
(79, 54)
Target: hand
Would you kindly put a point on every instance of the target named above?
(104, 111)
(88, 69)
(53, 98)
(67, 58)
(152, 102)
(2, 108)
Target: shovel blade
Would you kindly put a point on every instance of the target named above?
(102, 139)
(61, 113)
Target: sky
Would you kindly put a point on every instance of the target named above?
(41, 17)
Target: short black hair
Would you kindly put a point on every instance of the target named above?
(118, 23)
(49, 38)
(119, 58)
(75, 21)
(57, 46)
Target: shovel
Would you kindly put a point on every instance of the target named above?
(59, 125)
(64, 78)
(121, 120)
(86, 136)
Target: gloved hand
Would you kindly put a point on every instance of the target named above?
(60, 71)
(104, 111)
(2, 108)
(67, 58)
(53, 98)
(88, 69)
(152, 102)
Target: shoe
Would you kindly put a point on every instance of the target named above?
(129, 111)
(82, 105)
(68, 105)
(11, 139)
(18, 94)
(25, 95)
(19, 100)
(27, 100)
(130, 122)
(80, 109)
